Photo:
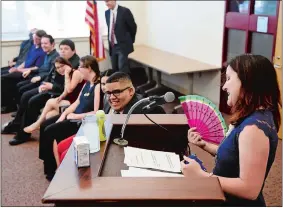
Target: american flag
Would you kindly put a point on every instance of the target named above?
(91, 18)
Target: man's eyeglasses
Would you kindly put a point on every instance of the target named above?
(116, 93)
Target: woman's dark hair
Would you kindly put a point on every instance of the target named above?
(63, 61)
(90, 61)
(259, 87)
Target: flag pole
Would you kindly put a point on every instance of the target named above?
(90, 43)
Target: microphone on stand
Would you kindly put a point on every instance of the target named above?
(155, 100)
(159, 100)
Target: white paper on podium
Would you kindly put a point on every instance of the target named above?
(139, 172)
(159, 160)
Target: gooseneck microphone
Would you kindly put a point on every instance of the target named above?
(155, 100)
(159, 100)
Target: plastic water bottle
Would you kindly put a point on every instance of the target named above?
(100, 116)
(91, 132)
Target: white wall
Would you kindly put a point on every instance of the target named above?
(193, 29)
(138, 10)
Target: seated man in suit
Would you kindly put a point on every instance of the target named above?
(24, 48)
(34, 60)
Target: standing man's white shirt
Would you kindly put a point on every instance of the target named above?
(113, 12)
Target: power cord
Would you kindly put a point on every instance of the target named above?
(156, 123)
(189, 149)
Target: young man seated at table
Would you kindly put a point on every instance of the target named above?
(121, 97)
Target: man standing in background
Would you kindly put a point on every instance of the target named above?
(121, 35)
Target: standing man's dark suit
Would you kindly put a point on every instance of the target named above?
(122, 37)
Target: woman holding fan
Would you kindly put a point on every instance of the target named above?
(245, 156)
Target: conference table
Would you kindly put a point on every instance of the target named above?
(202, 78)
(101, 184)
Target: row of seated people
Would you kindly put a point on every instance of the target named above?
(38, 54)
(83, 90)
(119, 97)
(33, 67)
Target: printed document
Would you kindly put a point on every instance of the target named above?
(139, 172)
(143, 158)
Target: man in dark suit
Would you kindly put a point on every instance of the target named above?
(121, 35)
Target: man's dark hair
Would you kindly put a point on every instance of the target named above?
(69, 43)
(119, 76)
(51, 39)
(40, 33)
(107, 73)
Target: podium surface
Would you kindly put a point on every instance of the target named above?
(101, 184)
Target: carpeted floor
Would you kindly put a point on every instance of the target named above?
(23, 181)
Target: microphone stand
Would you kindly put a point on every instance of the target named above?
(147, 107)
(121, 141)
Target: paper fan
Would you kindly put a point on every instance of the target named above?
(205, 116)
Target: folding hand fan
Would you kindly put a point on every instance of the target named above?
(204, 115)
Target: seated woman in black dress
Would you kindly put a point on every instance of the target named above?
(57, 128)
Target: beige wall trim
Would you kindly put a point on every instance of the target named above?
(57, 40)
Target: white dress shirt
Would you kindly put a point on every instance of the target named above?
(113, 12)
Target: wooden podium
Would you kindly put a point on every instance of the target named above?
(102, 185)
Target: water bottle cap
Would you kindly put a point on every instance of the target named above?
(100, 114)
